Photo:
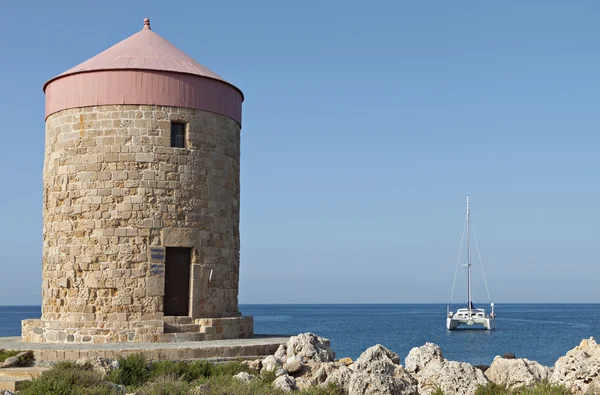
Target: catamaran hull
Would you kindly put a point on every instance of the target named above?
(455, 323)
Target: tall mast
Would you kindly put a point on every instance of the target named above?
(469, 253)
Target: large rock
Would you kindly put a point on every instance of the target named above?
(428, 365)
(429, 355)
(579, 368)
(254, 364)
(315, 373)
(377, 384)
(516, 373)
(271, 363)
(340, 376)
(244, 376)
(285, 383)
(377, 359)
(281, 352)
(99, 364)
(293, 364)
(594, 387)
(376, 371)
(10, 362)
(310, 347)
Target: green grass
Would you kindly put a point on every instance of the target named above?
(541, 388)
(165, 385)
(544, 388)
(132, 372)
(226, 385)
(159, 378)
(67, 378)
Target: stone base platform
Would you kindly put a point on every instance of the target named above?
(208, 349)
(164, 329)
(11, 379)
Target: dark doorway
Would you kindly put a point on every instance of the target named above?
(177, 281)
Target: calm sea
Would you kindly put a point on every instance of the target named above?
(541, 332)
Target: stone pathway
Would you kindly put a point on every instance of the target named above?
(228, 349)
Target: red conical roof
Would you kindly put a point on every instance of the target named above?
(145, 50)
(143, 69)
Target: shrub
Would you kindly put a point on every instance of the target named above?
(67, 378)
(330, 389)
(438, 391)
(165, 385)
(268, 376)
(224, 385)
(182, 370)
(541, 388)
(491, 389)
(544, 388)
(133, 371)
(198, 369)
(231, 369)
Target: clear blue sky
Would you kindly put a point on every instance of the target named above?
(365, 125)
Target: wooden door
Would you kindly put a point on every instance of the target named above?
(177, 281)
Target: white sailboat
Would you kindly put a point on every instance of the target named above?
(470, 315)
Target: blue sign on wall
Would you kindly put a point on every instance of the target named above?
(157, 254)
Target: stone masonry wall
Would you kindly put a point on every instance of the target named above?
(113, 187)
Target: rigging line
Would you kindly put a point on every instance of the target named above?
(458, 260)
(481, 263)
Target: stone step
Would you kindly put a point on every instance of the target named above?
(181, 320)
(24, 373)
(11, 383)
(181, 328)
(182, 337)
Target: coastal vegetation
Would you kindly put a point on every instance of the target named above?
(306, 365)
(541, 388)
(136, 375)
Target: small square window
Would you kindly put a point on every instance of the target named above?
(177, 134)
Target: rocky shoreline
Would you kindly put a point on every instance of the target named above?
(307, 361)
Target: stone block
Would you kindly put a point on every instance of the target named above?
(155, 286)
(180, 237)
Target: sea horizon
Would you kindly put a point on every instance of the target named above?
(542, 332)
(376, 303)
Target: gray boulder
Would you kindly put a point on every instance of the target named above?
(285, 383)
(281, 352)
(99, 364)
(293, 364)
(271, 363)
(378, 360)
(594, 387)
(516, 373)
(340, 376)
(245, 377)
(10, 362)
(315, 373)
(428, 365)
(377, 384)
(310, 347)
(579, 368)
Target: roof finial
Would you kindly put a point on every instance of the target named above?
(147, 24)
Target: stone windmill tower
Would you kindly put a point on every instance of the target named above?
(141, 200)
